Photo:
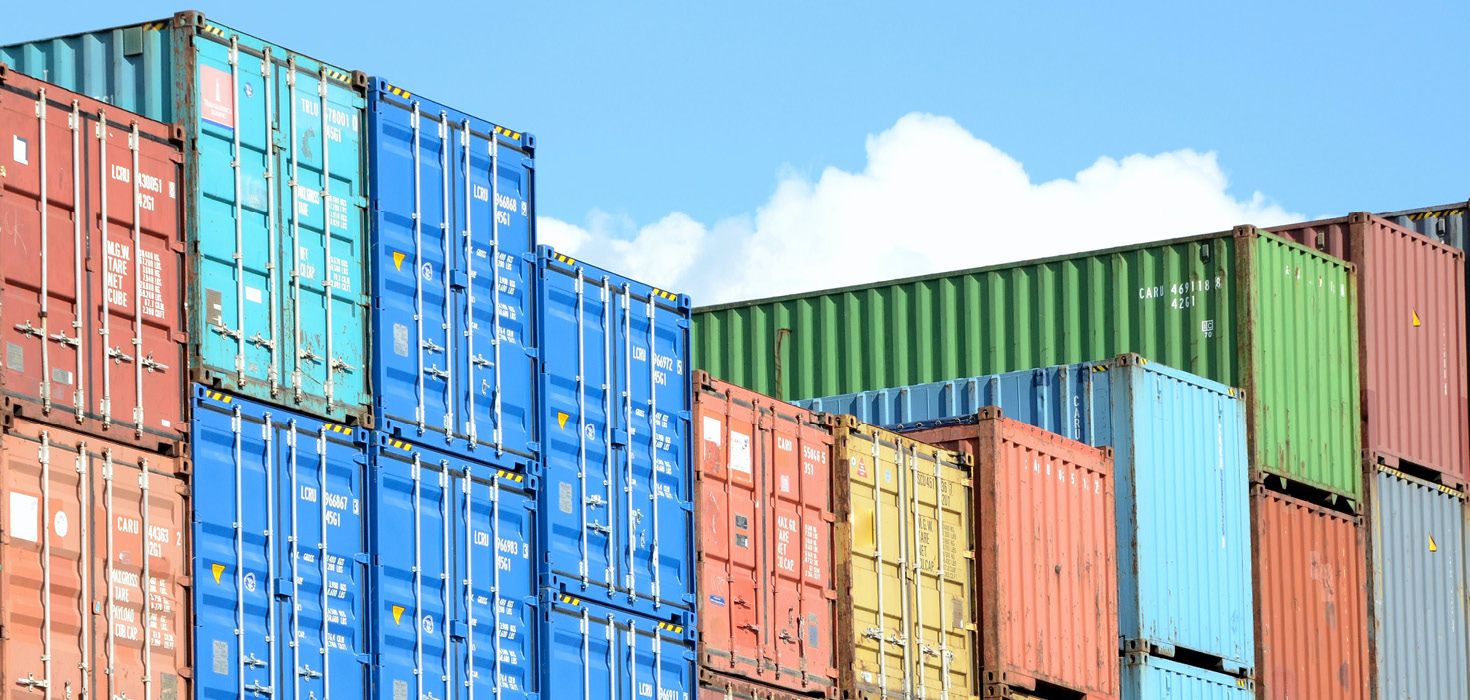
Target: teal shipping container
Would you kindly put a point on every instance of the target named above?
(275, 201)
(1152, 678)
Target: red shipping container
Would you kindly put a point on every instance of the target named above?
(1311, 600)
(94, 566)
(1046, 556)
(91, 302)
(718, 686)
(767, 593)
(1411, 339)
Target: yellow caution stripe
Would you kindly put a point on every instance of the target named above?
(340, 429)
(155, 26)
(395, 90)
(512, 135)
(210, 28)
(337, 75)
(666, 295)
(518, 478)
(400, 444)
(1439, 214)
(570, 600)
(564, 258)
(219, 396)
(671, 627)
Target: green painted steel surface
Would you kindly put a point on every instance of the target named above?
(1241, 307)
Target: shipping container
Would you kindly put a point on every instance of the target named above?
(1311, 600)
(616, 398)
(1411, 321)
(1046, 542)
(94, 567)
(277, 282)
(718, 686)
(595, 651)
(91, 295)
(1446, 223)
(455, 600)
(1183, 507)
(1152, 678)
(1244, 308)
(1416, 543)
(280, 552)
(453, 255)
(905, 566)
(767, 591)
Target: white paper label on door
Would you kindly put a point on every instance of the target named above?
(23, 521)
(739, 452)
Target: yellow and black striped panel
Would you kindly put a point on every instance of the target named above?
(570, 600)
(512, 135)
(219, 396)
(1446, 490)
(337, 75)
(1436, 214)
(400, 444)
(211, 29)
(398, 91)
(567, 259)
(665, 295)
(510, 475)
(339, 429)
(155, 26)
(671, 627)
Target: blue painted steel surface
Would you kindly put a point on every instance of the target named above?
(279, 553)
(1417, 552)
(451, 245)
(454, 576)
(597, 652)
(1183, 511)
(1152, 678)
(276, 173)
(617, 488)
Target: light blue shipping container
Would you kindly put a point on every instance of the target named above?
(1179, 449)
(280, 553)
(453, 251)
(275, 168)
(1417, 551)
(454, 576)
(1152, 678)
(598, 652)
(617, 486)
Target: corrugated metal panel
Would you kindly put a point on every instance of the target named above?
(280, 552)
(768, 596)
(1152, 678)
(1412, 340)
(1311, 600)
(452, 247)
(718, 686)
(905, 566)
(1447, 223)
(1244, 308)
(92, 331)
(1184, 533)
(1417, 543)
(1045, 553)
(616, 406)
(594, 651)
(455, 600)
(283, 320)
(94, 568)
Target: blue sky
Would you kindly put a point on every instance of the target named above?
(643, 110)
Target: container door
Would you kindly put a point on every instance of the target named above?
(495, 608)
(595, 652)
(801, 545)
(878, 585)
(734, 594)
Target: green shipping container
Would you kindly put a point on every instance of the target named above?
(1243, 307)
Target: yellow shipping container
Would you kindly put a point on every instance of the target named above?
(905, 559)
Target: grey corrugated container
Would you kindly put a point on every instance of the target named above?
(1417, 551)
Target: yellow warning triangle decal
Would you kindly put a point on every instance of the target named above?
(217, 569)
(397, 613)
(1433, 547)
(1416, 318)
(561, 420)
(398, 260)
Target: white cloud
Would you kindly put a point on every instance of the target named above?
(932, 197)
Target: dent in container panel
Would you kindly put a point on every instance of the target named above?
(453, 249)
(94, 564)
(453, 576)
(767, 589)
(280, 552)
(1045, 540)
(617, 496)
(594, 651)
(91, 316)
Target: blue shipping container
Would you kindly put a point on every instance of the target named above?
(280, 553)
(453, 253)
(617, 487)
(1178, 444)
(1152, 678)
(276, 205)
(593, 651)
(454, 577)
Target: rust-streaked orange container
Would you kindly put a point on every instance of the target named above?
(1311, 600)
(1411, 341)
(767, 588)
(718, 686)
(1045, 556)
(93, 567)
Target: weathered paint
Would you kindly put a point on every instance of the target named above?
(1045, 555)
(1417, 553)
(1183, 510)
(1311, 600)
(767, 591)
(1412, 331)
(274, 191)
(905, 561)
(1244, 308)
(1152, 678)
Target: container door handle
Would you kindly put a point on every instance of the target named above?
(64, 339)
(153, 365)
(31, 681)
(116, 353)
